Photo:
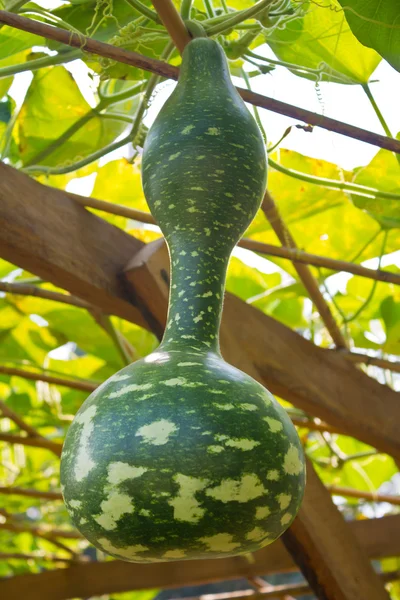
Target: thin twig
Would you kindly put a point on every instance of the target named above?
(43, 532)
(169, 71)
(32, 290)
(37, 442)
(358, 357)
(84, 386)
(15, 491)
(337, 490)
(310, 283)
(10, 414)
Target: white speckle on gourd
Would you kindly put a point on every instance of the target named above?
(75, 503)
(247, 406)
(126, 389)
(273, 475)
(199, 317)
(221, 542)
(242, 444)
(119, 377)
(83, 462)
(262, 512)
(226, 406)
(256, 534)
(292, 464)
(286, 519)
(116, 505)
(188, 364)
(174, 554)
(157, 433)
(215, 449)
(174, 156)
(213, 131)
(186, 506)
(186, 130)
(284, 500)
(175, 381)
(274, 424)
(247, 488)
(120, 471)
(125, 552)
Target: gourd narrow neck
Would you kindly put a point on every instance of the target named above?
(198, 273)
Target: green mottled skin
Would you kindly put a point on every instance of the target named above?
(180, 455)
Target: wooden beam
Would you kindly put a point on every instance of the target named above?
(47, 233)
(379, 538)
(327, 551)
(44, 231)
(326, 385)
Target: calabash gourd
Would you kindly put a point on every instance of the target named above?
(180, 455)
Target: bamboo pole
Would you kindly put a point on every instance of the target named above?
(155, 66)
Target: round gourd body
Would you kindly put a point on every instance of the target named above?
(181, 456)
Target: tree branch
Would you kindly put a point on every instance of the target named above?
(83, 386)
(132, 58)
(37, 442)
(15, 491)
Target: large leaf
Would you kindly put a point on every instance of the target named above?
(322, 35)
(52, 105)
(13, 41)
(390, 309)
(383, 172)
(120, 181)
(376, 23)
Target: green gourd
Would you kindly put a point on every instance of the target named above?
(180, 455)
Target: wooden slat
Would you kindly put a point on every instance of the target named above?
(324, 384)
(327, 551)
(47, 233)
(44, 231)
(379, 538)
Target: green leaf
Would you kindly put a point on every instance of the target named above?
(321, 34)
(383, 172)
(13, 41)
(390, 310)
(42, 122)
(120, 181)
(247, 282)
(376, 24)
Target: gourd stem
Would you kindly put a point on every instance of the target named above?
(198, 273)
(186, 8)
(239, 17)
(376, 108)
(39, 63)
(144, 10)
(346, 186)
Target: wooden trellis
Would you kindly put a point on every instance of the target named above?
(39, 232)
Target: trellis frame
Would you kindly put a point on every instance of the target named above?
(316, 538)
